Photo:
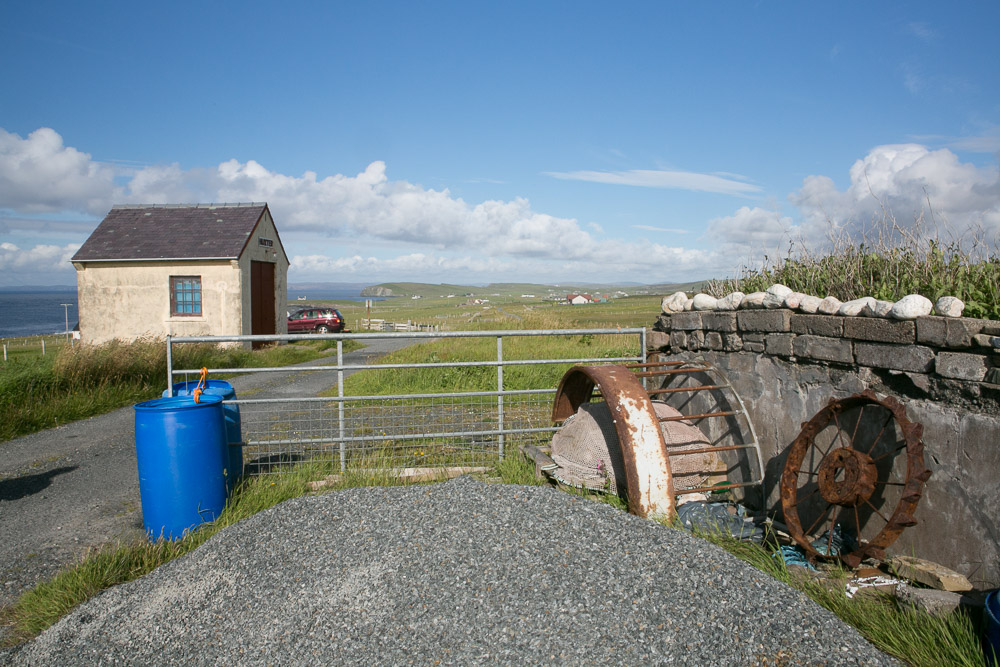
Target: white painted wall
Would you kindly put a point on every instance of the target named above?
(129, 300)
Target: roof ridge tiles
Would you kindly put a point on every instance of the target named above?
(211, 205)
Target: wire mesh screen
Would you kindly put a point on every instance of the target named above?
(392, 432)
(490, 397)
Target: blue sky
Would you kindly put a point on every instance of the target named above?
(475, 142)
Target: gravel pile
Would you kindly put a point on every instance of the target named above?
(462, 573)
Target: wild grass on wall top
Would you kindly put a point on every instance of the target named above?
(886, 266)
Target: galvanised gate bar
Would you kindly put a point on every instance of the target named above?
(397, 429)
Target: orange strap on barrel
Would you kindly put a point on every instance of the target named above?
(200, 387)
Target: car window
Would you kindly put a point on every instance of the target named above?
(326, 313)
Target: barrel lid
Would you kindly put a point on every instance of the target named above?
(176, 402)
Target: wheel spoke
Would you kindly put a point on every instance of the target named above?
(840, 431)
(876, 510)
(805, 498)
(889, 453)
(821, 515)
(833, 525)
(879, 436)
(861, 414)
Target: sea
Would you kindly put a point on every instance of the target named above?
(33, 313)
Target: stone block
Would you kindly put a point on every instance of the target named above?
(764, 320)
(723, 322)
(657, 340)
(925, 572)
(732, 342)
(961, 366)
(753, 338)
(662, 322)
(915, 358)
(987, 341)
(819, 325)
(879, 330)
(948, 332)
(779, 344)
(689, 321)
(695, 340)
(749, 346)
(940, 603)
(678, 340)
(713, 340)
(823, 348)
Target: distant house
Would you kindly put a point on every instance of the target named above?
(200, 270)
(579, 299)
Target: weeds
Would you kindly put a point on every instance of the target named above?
(917, 637)
(40, 392)
(887, 264)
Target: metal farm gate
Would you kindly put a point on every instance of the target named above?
(479, 408)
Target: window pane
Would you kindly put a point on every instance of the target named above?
(186, 292)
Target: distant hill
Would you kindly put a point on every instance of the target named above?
(517, 289)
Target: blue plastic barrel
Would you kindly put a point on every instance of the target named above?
(232, 413)
(180, 449)
(993, 627)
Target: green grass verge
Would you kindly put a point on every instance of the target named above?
(39, 392)
(916, 637)
(484, 378)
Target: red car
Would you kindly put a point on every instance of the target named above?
(320, 320)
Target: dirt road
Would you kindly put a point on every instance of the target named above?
(76, 486)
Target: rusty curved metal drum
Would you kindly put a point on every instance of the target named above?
(649, 479)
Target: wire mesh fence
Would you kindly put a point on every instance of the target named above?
(404, 430)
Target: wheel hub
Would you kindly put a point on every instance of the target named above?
(847, 477)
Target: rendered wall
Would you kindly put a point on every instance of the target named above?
(254, 252)
(129, 300)
(946, 372)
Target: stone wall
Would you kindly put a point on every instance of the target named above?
(946, 372)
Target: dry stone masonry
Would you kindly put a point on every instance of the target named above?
(787, 354)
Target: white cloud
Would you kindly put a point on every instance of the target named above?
(679, 180)
(666, 230)
(435, 234)
(39, 174)
(40, 265)
(911, 182)
(922, 192)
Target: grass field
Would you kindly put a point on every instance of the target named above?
(512, 312)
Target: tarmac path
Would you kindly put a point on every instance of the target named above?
(75, 487)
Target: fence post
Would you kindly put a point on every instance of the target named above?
(500, 438)
(340, 404)
(170, 367)
(43, 347)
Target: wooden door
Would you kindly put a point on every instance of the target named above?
(262, 319)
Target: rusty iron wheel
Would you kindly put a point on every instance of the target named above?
(846, 470)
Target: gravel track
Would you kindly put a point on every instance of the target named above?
(462, 572)
(70, 488)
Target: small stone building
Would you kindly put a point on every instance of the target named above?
(198, 270)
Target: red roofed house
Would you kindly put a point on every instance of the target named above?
(579, 299)
(200, 270)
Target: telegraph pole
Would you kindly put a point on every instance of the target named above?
(66, 314)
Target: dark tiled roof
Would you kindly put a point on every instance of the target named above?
(172, 232)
